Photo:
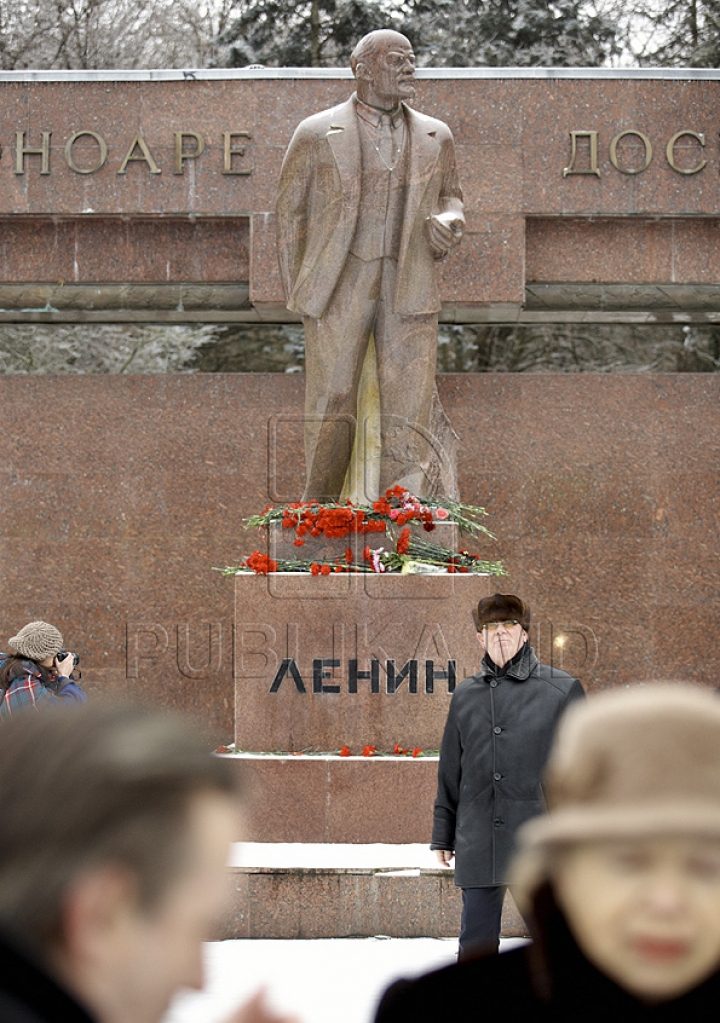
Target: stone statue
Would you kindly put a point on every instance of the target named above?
(368, 200)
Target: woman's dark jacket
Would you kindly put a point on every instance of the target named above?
(30, 685)
(497, 739)
(552, 983)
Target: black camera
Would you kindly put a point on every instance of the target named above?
(63, 654)
(76, 660)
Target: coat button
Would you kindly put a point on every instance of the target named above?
(497, 822)
(493, 683)
(497, 729)
(497, 776)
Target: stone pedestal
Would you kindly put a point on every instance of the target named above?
(335, 799)
(349, 659)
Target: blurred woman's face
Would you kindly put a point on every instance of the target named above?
(645, 912)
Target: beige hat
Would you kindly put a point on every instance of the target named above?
(627, 764)
(37, 640)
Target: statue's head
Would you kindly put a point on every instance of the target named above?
(383, 64)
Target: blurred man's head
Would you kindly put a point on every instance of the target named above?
(115, 830)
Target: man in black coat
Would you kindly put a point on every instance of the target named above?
(497, 738)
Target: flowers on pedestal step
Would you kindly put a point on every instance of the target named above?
(344, 751)
(391, 544)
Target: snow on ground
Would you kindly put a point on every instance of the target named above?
(321, 981)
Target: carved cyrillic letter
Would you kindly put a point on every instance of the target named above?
(432, 676)
(231, 151)
(181, 154)
(700, 136)
(320, 664)
(409, 672)
(288, 667)
(69, 152)
(144, 156)
(23, 150)
(648, 152)
(592, 137)
(372, 676)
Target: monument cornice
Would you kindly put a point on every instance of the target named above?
(428, 73)
(590, 193)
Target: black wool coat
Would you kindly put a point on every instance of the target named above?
(29, 995)
(497, 739)
(557, 986)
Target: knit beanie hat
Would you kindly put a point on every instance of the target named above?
(499, 608)
(626, 764)
(37, 640)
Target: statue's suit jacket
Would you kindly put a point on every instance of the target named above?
(319, 197)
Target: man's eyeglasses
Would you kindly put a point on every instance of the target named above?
(507, 624)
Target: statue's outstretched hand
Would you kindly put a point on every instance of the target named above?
(444, 232)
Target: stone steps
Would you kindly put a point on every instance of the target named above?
(342, 890)
(335, 847)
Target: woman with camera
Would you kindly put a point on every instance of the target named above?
(37, 671)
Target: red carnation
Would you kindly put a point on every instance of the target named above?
(260, 563)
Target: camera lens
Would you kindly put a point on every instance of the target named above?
(64, 653)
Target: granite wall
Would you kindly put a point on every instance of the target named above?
(120, 495)
(150, 196)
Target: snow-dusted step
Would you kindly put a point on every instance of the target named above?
(318, 890)
(336, 856)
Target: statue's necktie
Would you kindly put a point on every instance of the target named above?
(386, 144)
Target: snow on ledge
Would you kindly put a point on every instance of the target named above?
(250, 73)
(379, 757)
(332, 856)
